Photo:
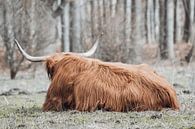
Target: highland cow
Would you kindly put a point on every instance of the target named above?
(87, 84)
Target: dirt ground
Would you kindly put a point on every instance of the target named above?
(21, 101)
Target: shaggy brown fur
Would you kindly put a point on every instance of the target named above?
(87, 84)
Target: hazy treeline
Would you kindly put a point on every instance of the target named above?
(133, 30)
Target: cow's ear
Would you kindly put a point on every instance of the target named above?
(50, 68)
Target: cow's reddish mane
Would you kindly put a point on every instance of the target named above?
(87, 84)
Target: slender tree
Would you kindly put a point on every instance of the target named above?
(65, 25)
(170, 28)
(75, 26)
(187, 22)
(128, 21)
(94, 17)
(113, 7)
(156, 20)
(163, 35)
(150, 21)
(179, 14)
(139, 29)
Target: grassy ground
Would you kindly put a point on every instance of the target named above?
(20, 107)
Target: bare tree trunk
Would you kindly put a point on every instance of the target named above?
(192, 7)
(75, 26)
(139, 29)
(178, 21)
(113, 7)
(32, 27)
(128, 21)
(121, 7)
(65, 28)
(107, 9)
(150, 21)
(88, 19)
(31, 24)
(8, 30)
(163, 35)
(100, 15)
(192, 18)
(83, 23)
(94, 18)
(157, 20)
(189, 18)
(170, 29)
(187, 23)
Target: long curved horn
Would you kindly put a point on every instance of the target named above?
(93, 49)
(29, 57)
